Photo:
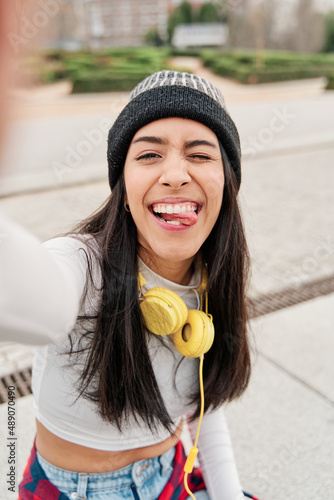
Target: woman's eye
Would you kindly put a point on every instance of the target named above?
(147, 156)
(200, 157)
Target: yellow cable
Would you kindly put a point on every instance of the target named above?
(189, 465)
(187, 487)
(201, 387)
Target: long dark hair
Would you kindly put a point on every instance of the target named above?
(118, 374)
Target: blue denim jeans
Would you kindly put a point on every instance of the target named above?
(142, 480)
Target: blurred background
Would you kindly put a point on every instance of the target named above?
(74, 63)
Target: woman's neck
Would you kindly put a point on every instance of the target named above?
(177, 272)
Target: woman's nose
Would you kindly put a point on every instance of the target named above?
(175, 173)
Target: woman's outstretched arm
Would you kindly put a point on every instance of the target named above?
(40, 290)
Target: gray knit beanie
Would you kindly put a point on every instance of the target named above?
(172, 94)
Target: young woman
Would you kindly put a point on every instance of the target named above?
(117, 372)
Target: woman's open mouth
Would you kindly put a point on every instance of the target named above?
(176, 214)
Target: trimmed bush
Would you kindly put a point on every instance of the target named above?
(174, 52)
(104, 71)
(264, 67)
(330, 81)
(108, 83)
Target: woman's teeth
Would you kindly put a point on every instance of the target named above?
(174, 209)
(174, 222)
(180, 214)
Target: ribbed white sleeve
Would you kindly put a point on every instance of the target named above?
(216, 457)
(40, 291)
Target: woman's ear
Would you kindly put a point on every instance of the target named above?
(126, 205)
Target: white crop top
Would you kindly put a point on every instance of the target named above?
(41, 287)
(78, 421)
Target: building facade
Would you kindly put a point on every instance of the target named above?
(112, 23)
(125, 23)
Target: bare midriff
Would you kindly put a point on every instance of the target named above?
(77, 458)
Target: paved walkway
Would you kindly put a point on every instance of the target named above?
(283, 427)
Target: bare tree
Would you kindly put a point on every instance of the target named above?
(308, 32)
(271, 24)
(252, 24)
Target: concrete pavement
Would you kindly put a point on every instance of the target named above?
(283, 427)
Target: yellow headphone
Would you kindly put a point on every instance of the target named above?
(165, 313)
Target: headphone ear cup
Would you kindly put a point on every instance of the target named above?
(209, 332)
(197, 335)
(164, 311)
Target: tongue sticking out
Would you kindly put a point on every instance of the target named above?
(186, 218)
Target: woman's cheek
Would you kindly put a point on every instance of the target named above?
(215, 188)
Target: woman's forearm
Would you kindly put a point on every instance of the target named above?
(216, 457)
(39, 291)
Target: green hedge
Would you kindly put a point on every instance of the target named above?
(121, 69)
(330, 83)
(103, 71)
(174, 52)
(106, 83)
(251, 67)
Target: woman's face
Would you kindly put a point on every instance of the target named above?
(174, 181)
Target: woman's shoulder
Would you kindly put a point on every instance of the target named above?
(78, 251)
(71, 240)
(79, 254)
(73, 243)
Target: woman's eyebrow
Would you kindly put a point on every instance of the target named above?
(198, 142)
(150, 138)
